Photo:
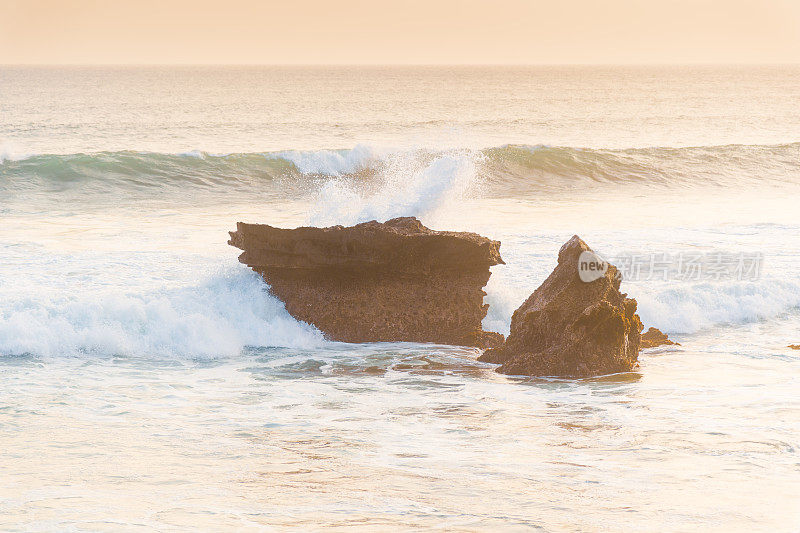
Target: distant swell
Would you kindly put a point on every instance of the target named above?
(506, 170)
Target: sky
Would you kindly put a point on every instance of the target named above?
(399, 32)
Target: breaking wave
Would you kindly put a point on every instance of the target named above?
(691, 308)
(217, 317)
(223, 314)
(675, 308)
(506, 170)
(406, 188)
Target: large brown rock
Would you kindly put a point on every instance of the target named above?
(572, 328)
(396, 281)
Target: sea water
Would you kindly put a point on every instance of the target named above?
(149, 381)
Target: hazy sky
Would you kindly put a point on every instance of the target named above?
(402, 31)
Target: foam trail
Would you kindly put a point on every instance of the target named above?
(218, 317)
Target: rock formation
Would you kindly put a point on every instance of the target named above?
(572, 328)
(396, 281)
(654, 337)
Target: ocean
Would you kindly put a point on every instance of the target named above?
(148, 381)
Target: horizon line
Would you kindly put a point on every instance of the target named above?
(669, 64)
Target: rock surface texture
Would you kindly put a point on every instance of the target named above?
(654, 337)
(393, 281)
(572, 328)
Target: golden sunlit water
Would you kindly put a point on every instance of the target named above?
(148, 381)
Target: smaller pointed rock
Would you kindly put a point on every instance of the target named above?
(576, 324)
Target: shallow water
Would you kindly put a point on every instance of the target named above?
(148, 381)
(383, 435)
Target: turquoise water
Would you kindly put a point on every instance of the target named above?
(148, 381)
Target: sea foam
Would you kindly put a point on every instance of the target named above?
(218, 317)
(333, 162)
(409, 184)
(690, 308)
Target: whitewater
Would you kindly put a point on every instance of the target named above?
(150, 381)
(347, 187)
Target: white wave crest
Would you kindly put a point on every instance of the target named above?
(409, 186)
(333, 162)
(695, 307)
(11, 152)
(216, 318)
